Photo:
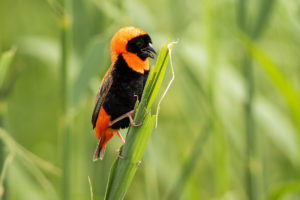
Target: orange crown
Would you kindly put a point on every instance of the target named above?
(120, 39)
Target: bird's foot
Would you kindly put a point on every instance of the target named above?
(118, 154)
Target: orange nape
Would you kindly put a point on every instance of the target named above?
(103, 132)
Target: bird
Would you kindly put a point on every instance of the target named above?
(122, 85)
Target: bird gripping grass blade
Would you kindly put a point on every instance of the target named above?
(123, 170)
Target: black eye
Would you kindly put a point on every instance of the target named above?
(140, 43)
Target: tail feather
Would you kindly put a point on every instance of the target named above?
(99, 152)
(103, 139)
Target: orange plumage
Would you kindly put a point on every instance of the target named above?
(102, 128)
(122, 84)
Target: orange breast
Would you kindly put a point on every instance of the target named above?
(135, 63)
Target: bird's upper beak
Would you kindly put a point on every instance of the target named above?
(147, 51)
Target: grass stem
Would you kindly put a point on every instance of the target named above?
(65, 28)
(252, 167)
(124, 170)
(190, 164)
(5, 62)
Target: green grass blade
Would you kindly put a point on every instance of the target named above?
(265, 10)
(5, 61)
(33, 163)
(127, 167)
(7, 162)
(91, 188)
(253, 180)
(284, 189)
(189, 166)
(65, 44)
(124, 170)
(93, 58)
(158, 76)
(27, 155)
(272, 71)
(112, 174)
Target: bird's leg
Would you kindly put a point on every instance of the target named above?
(118, 154)
(120, 136)
(129, 115)
(132, 122)
(118, 119)
(118, 150)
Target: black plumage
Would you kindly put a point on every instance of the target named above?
(127, 87)
(137, 44)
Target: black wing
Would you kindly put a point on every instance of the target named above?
(103, 90)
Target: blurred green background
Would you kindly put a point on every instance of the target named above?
(229, 127)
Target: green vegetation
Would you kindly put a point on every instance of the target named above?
(125, 166)
(228, 128)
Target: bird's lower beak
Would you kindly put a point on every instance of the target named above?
(147, 51)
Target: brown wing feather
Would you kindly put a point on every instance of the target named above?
(102, 92)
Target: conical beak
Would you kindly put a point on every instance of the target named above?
(147, 51)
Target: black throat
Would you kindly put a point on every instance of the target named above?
(134, 45)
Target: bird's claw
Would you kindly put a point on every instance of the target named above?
(118, 154)
(135, 125)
